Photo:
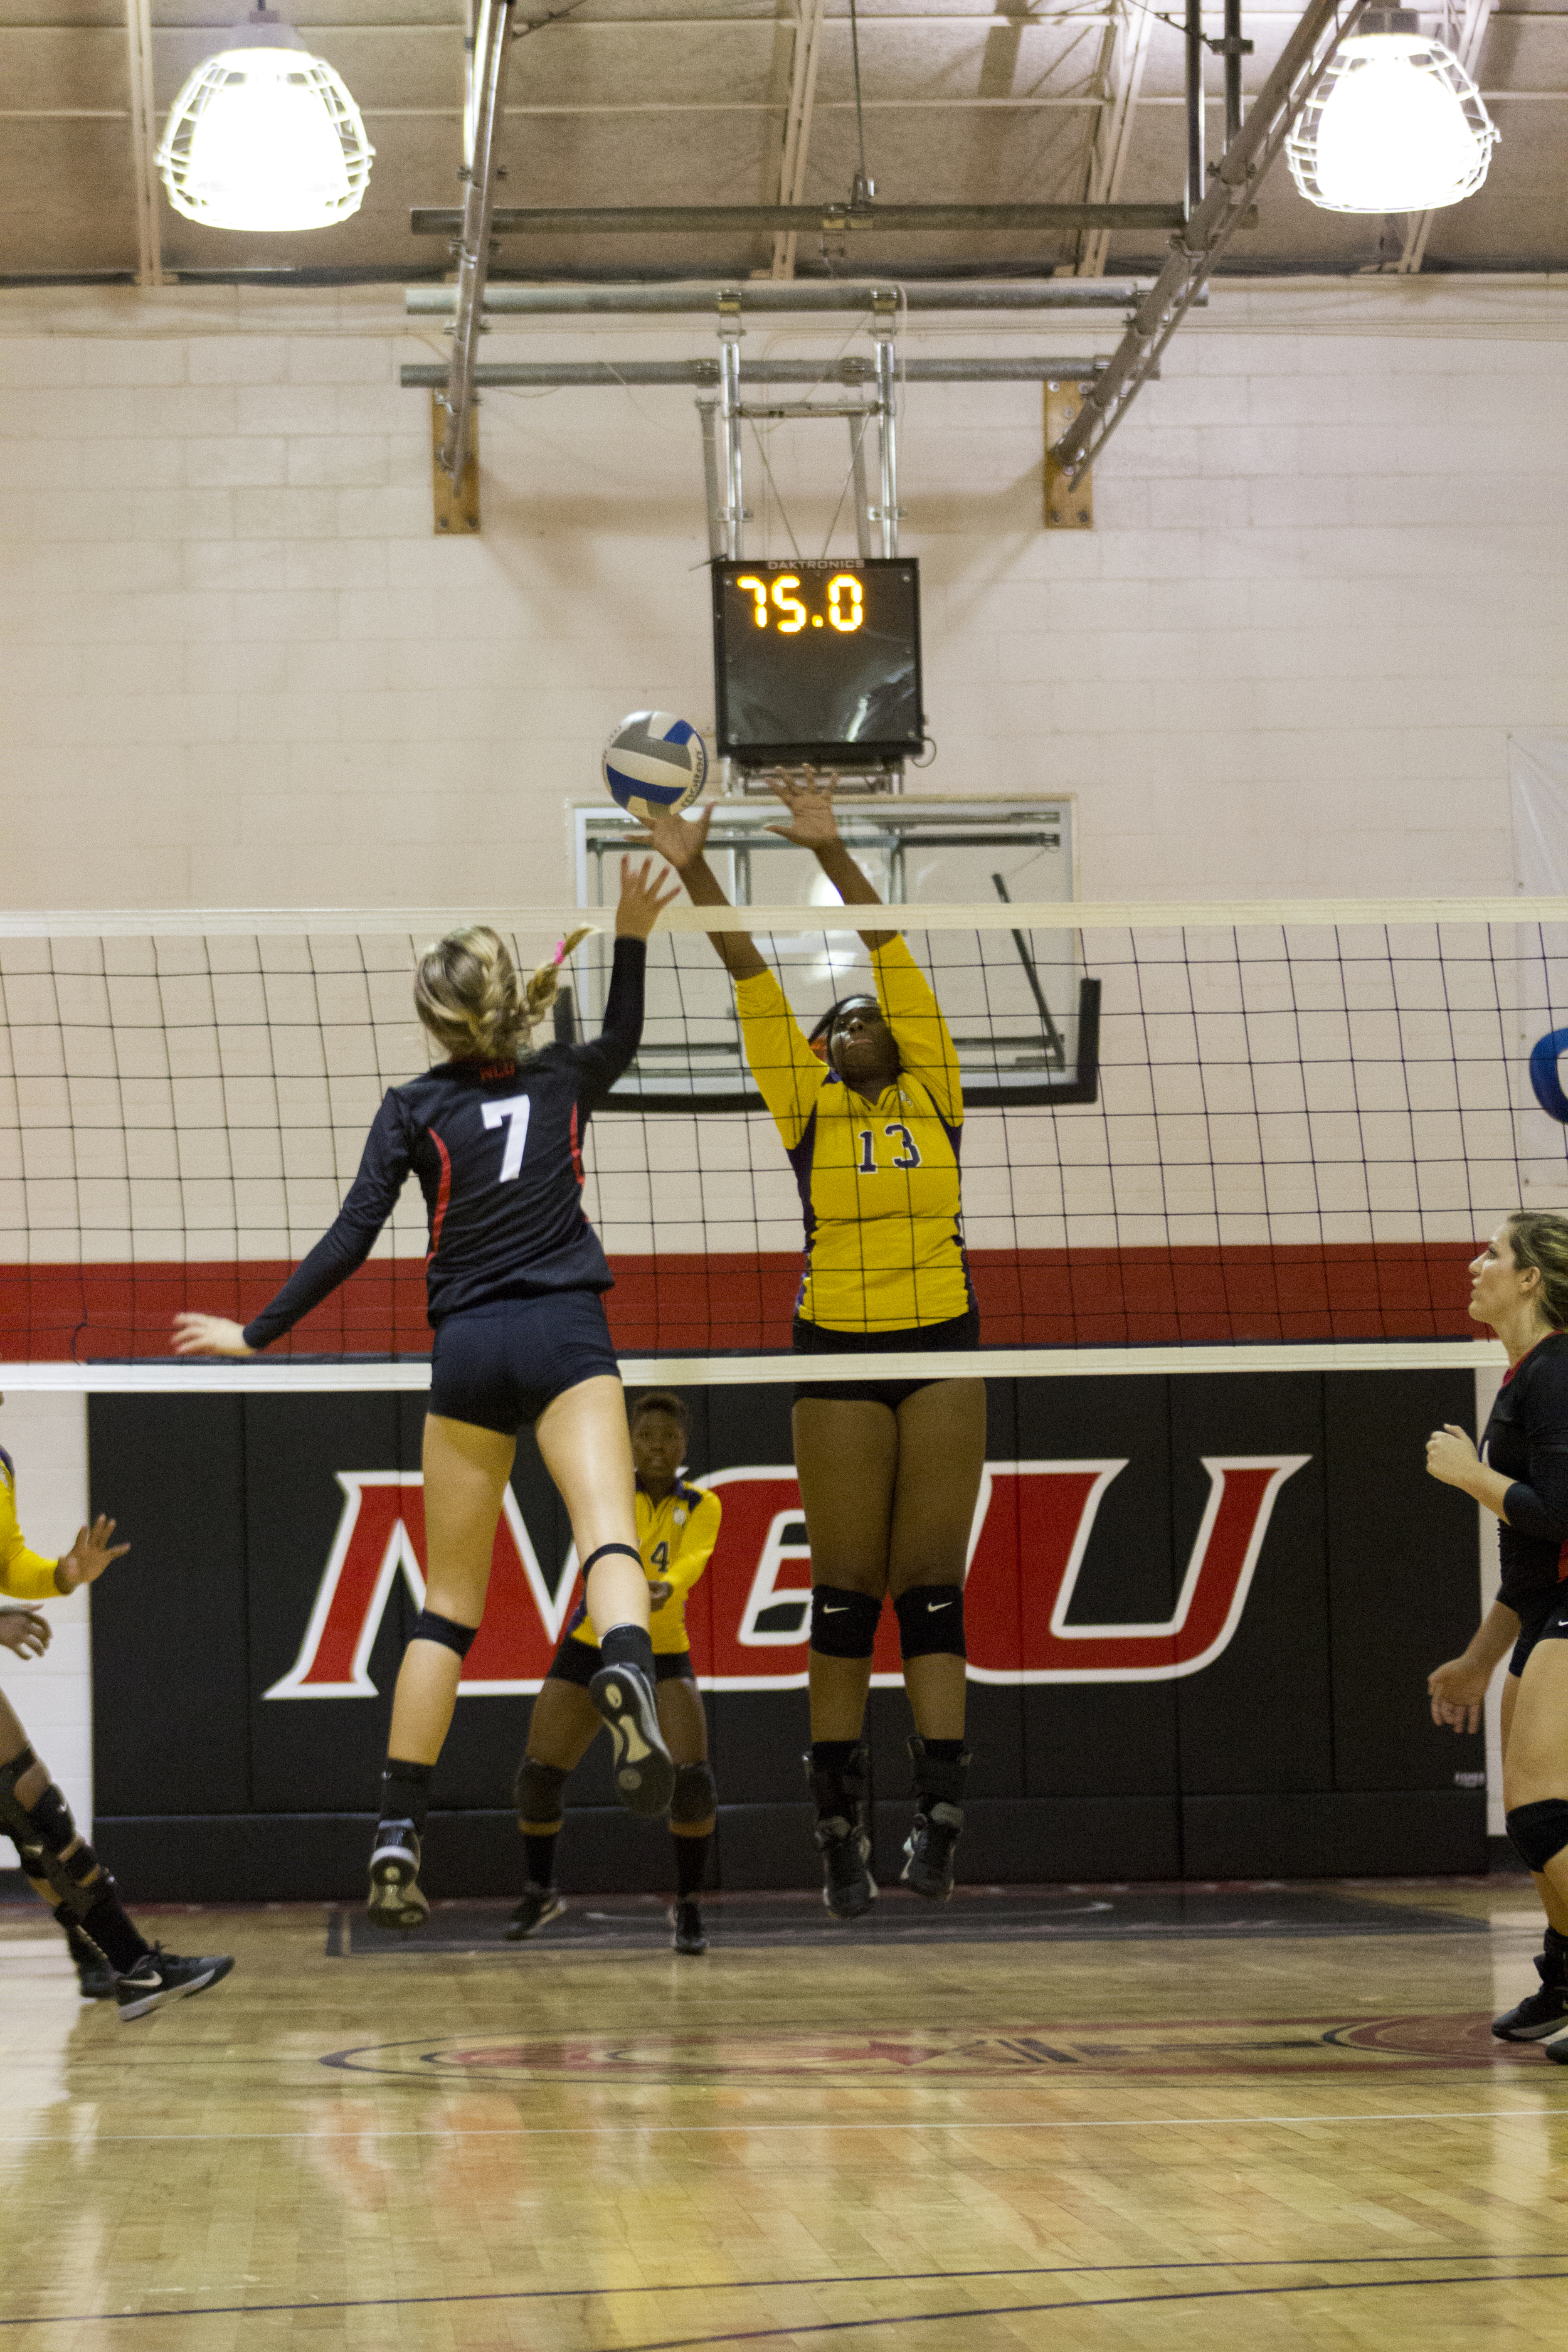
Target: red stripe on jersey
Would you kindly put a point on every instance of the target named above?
(577, 1149)
(443, 1195)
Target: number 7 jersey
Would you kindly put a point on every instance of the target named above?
(879, 1180)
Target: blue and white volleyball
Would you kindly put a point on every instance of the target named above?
(655, 763)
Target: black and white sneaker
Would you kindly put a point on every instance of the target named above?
(1540, 2014)
(159, 1976)
(848, 1889)
(645, 1777)
(691, 1936)
(539, 1905)
(939, 1783)
(396, 1900)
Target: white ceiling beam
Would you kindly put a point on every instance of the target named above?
(1119, 80)
(810, 17)
(1418, 228)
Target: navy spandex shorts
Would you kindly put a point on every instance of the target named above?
(500, 1366)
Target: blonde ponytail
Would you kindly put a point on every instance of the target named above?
(471, 996)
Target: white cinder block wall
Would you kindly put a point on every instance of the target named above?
(1329, 575)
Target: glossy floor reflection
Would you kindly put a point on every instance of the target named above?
(1295, 2133)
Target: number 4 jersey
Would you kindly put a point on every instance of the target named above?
(497, 1148)
(879, 1180)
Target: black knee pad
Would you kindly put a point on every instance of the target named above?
(41, 1833)
(844, 1623)
(930, 1620)
(1538, 1831)
(695, 1794)
(428, 1627)
(537, 1791)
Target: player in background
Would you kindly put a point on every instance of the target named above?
(889, 1470)
(678, 1525)
(514, 1279)
(113, 1959)
(1519, 1285)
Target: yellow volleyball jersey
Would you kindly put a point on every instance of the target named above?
(675, 1539)
(879, 1180)
(23, 1574)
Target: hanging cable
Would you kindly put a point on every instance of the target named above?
(864, 187)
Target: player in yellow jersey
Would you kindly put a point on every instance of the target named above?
(890, 1469)
(678, 1525)
(113, 1961)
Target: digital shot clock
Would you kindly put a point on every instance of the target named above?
(817, 660)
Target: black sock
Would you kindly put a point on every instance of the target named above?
(691, 1863)
(405, 1792)
(540, 1854)
(833, 1755)
(115, 1935)
(628, 1645)
(943, 1751)
(1556, 1944)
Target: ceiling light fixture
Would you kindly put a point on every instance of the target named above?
(265, 136)
(1395, 125)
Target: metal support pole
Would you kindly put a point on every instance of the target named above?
(1234, 53)
(730, 427)
(882, 333)
(1195, 106)
(808, 29)
(767, 294)
(862, 487)
(492, 52)
(143, 142)
(712, 478)
(1275, 112)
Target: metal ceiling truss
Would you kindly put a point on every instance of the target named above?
(492, 51)
(143, 142)
(1124, 52)
(810, 20)
(797, 295)
(1477, 16)
(1214, 221)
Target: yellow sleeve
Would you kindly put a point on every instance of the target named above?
(788, 1074)
(914, 1016)
(23, 1574)
(696, 1542)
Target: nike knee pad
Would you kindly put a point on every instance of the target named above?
(696, 1797)
(429, 1627)
(844, 1623)
(930, 1620)
(537, 1790)
(1538, 1831)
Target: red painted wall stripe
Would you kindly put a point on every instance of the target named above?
(1053, 1298)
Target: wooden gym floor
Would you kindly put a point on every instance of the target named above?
(1096, 2120)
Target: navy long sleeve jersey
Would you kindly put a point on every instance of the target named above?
(1527, 1440)
(497, 1148)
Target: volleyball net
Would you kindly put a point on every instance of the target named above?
(1190, 1125)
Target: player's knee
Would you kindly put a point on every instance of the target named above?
(537, 1790)
(44, 1834)
(1540, 1831)
(696, 1795)
(844, 1623)
(430, 1627)
(930, 1620)
(21, 1781)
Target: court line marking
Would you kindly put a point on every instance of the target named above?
(698, 2131)
(869, 2278)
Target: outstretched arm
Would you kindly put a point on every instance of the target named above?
(683, 845)
(813, 824)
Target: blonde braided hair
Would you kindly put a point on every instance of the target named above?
(476, 1004)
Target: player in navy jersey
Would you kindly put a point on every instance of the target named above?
(515, 1275)
(1519, 1286)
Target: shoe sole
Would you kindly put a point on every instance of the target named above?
(1534, 2033)
(512, 1934)
(131, 2010)
(396, 1900)
(936, 1890)
(645, 1777)
(837, 1908)
(692, 1951)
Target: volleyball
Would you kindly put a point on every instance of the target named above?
(655, 762)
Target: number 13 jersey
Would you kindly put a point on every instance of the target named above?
(497, 1149)
(879, 1180)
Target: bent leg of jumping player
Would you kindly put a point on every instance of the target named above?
(583, 1439)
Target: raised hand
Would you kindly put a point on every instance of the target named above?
(26, 1631)
(811, 819)
(679, 843)
(209, 1335)
(642, 901)
(89, 1555)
